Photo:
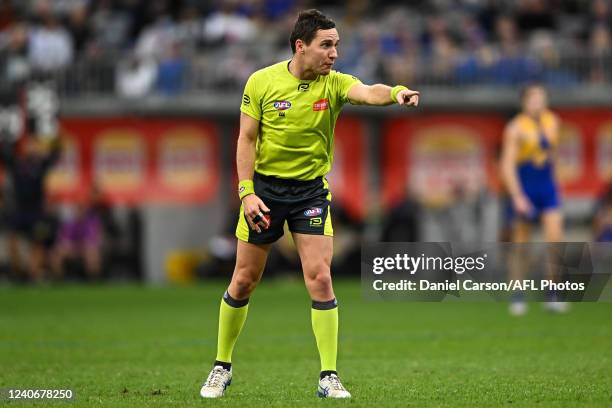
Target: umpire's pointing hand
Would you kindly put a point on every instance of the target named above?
(408, 97)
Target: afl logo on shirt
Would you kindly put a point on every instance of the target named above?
(321, 104)
(282, 105)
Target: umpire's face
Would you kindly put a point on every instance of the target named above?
(320, 55)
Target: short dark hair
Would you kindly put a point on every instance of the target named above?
(529, 86)
(307, 25)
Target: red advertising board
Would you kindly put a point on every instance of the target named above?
(347, 178)
(585, 150)
(136, 160)
(435, 156)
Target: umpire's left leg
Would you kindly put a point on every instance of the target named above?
(315, 254)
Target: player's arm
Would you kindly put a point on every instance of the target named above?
(382, 95)
(55, 152)
(556, 128)
(245, 164)
(508, 169)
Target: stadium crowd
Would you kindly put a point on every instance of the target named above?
(134, 47)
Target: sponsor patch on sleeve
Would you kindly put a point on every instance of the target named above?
(321, 104)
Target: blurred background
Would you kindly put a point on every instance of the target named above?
(119, 120)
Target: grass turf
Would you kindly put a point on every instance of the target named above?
(129, 346)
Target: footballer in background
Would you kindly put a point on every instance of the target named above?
(529, 172)
(29, 147)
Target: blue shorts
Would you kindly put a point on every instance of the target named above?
(540, 188)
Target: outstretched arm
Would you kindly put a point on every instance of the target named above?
(382, 95)
(556, 128)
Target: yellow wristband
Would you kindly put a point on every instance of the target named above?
(395, 90)
(245, 187)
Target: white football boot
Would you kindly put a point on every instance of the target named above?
(556, 306)
(331, 387)
(216, 383)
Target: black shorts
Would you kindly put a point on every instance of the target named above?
(304, 205)
(34, 226)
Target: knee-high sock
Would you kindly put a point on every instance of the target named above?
(325, 328)
(232, 315)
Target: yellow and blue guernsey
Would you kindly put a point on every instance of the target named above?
(535, 162)
(297, 120)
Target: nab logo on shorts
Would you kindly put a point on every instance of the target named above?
(321, 104)
(312, 212)
(282, 105)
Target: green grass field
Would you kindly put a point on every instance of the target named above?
(141, 347)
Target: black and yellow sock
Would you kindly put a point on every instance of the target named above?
(232, 315)
(325, 328)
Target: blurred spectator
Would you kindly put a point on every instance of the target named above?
(80, 30)
(110, 25)
(50, 45)
(30, 219)
(553, 72)
(364, 57)
(535, 15)
(14, 64)
(498, 43)
(275, 9)
(600, 50)
(189, 29)
(155, 41)
(513, 66)
(171, 71)
(227, 25)
(135, 77)
(80, 239)
(600, 13)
